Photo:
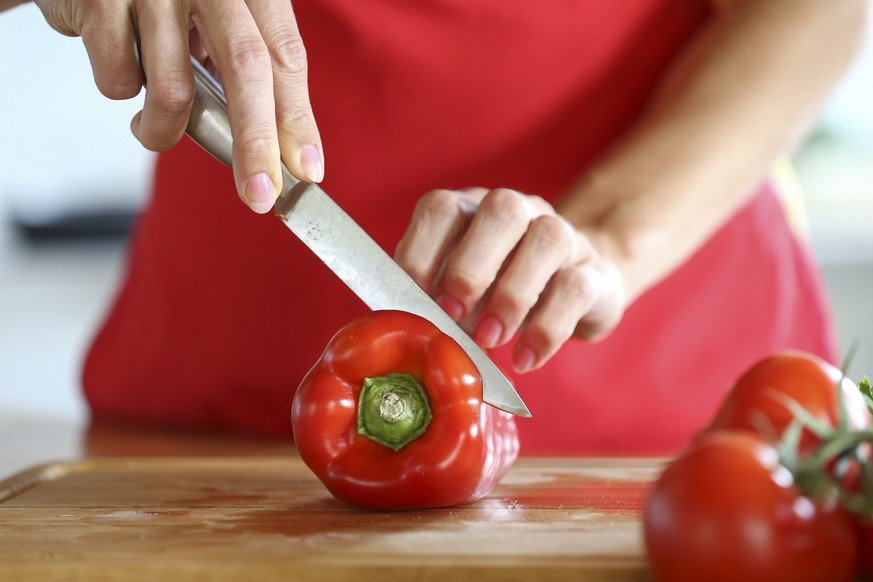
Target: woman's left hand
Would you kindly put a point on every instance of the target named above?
(505, 263)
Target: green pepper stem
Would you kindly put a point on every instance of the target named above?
(393, 410)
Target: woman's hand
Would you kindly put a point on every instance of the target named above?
(254, 45)
(506, 263)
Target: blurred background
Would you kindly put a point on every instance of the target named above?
(72, 179)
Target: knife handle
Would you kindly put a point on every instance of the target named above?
(208, 125)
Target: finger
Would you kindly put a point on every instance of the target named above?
(582, 300)
(235, 46)
(108, 34)
(546, 246)
(163, 30)
(299, 139)
(607, 311)
(59, 16)
(438, 220)
(497, 227)
(571, 293)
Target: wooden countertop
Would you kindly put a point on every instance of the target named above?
(113, 502)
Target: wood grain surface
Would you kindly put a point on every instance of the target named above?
(270, 518)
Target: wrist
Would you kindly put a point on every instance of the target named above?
(622, 207)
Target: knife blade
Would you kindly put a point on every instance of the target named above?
(329, 232)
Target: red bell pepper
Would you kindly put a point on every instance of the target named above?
(391, 417)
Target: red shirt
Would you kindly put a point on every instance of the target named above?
(223, 311)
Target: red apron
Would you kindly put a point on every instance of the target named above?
(222, 311)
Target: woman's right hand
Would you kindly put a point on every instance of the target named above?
(254, 45)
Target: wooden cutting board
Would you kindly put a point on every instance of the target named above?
(269, 518)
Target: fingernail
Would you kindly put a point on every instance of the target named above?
(260, 193)
(488, 332)
(523, 359)
(311, 163)
(452, 306)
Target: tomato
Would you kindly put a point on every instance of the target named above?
(756, 402)
(727, 510)
(866, 534)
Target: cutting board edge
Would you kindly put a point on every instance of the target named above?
(21, 481)
(28, 478)
(634, 570)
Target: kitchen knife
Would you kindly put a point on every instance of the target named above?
(343, 245)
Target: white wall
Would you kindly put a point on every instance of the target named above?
(836, 169)
(62, 143)
(63, 147)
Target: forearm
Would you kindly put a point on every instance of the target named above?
(740, 94)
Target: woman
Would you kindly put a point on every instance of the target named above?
(596, 209)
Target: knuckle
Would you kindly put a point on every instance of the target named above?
(297, 120)
(170, 95)
(437, 203)
(289, 53)
(515, 303)
(463, 284)
(406, 255)
(551, 232)
(168, 99)
(506, 205)
(512, 306)
(416, 271)
(248, 56)
(539, 203)
(545, 338)
(575, 285)
(86, 17)
(256, 139)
